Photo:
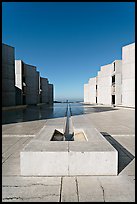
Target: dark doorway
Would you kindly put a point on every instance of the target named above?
(113, 99)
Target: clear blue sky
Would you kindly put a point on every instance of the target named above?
(68, 41)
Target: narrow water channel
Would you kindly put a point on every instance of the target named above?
(68, 134)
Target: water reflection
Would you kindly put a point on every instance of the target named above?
(33, 113)
(46, 112)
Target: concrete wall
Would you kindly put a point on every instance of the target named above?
(8, 75)
(123, 89)
(32, 86)
(26, 80)
(128, 75)
(18, 82)
(37, 86)
(92, 90)
(50, 93)
(44, 90)
(104, 85)
(118, 81)
(86, 93)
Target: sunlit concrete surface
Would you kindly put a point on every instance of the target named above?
(86, 93)
(128, 75)
(115, 82)
(117, 126)
(104, 84)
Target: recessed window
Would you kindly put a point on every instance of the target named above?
(113, 79)
(114, 66)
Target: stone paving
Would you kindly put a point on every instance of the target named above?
(118, 125)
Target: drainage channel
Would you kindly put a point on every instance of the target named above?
(68, 134)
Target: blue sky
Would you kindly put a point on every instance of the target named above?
(68, 41)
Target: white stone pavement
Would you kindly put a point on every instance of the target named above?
(16, 188)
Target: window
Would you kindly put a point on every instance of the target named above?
(113, 99)
(113, 79)
(114, 66)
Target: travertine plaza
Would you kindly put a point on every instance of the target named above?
(115, 82)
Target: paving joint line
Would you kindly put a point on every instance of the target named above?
(77, 188)
(61, 189)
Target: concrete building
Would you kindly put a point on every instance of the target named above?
(90, 91)
(8, 75)
(104, 84)
(86, 93)
(44, 98)
(46, 91)
(128, 75)
(109, 84)
(93, 90)
(115, 83)
(106, 87)
(50, 93)
(27, 82)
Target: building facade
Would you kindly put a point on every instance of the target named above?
(128, 75)
(8, 76)
(86, 93)
(44, 90)
(21, 82)
(27, 83)
(50, 93)
(104, 85)
(115, 82)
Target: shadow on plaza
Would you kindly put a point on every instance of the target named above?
(124, 156)
(34, 112)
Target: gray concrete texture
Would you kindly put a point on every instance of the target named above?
(44, 90)
(51, 93)
(8, 75)
(32, 86)
(37, 89)
(128, 75)
(119, 123)
(122, 88)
